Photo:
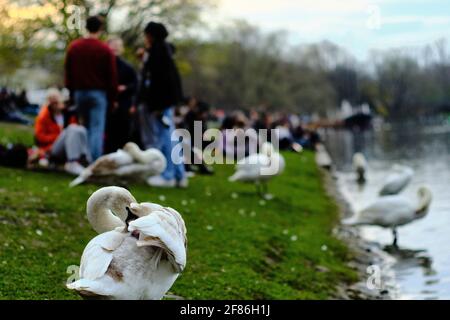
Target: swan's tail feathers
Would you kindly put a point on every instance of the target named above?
(235, 177)
(77, 181)
(87, 289)
(80, 179)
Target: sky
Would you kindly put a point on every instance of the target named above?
(357, 25)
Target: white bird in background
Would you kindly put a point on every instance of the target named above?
(139, 253)
(323, 159)
(393, 211)
(397, 180)
(260, 167)
(129, 163)
(360, 167)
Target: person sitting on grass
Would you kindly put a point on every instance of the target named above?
(60, 141)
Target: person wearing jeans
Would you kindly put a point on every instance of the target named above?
(159, 91)
(175, 167)
(91, 76)
(92, 106)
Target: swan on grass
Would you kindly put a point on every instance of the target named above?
(259, 168)
(393, 211)
(397, 180)
(139, 253)
(360, 167)
(128, 163)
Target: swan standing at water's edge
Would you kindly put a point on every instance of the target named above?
(360, 167)
(139, 255)
(393, 211)
(323, 158)
(397, 180)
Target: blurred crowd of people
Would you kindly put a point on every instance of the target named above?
(110, 104)
(14, 106)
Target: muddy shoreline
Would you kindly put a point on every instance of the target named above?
(368, 260)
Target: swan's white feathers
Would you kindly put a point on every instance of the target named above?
(116, 265)
(164, 230)
(123, 164)
(98, 254)
(89, 289)
(388, 211)
(251, 168)
(396, 181)
(256, 159)
(135, 169)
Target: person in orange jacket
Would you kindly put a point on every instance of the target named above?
(54, 140)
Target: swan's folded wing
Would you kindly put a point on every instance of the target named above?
(387, 211)
(164, 229)
(252, 161)
(134, 169)
(109, 163)
(98, 254)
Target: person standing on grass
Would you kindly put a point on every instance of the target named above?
(91, 77)
(160, 91)
(118, 126)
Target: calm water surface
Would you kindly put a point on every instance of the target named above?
(423, 263)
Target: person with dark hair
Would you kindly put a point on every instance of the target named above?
(160, 90)
(119, 120)
(91, 77)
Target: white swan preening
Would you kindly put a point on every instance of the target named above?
(260, 167)
(139, 253)
(323, 158)
(397, 180)
(360, 167)
(393, 211)
(130, 162)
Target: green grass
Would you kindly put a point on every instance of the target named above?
(239, 248)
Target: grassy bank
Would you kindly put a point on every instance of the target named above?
(239, 247)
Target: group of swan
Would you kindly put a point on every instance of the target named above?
(259, 168)
(139, 252)
(391, 210)
(130, 163)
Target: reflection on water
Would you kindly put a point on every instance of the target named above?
(423, 267)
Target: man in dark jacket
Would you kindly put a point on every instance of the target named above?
(118, 126)
(160, 90)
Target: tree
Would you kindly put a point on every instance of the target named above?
(125, 17)
(36, 32)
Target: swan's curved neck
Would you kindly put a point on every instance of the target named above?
(100, 206)
(102, 219)
(137, 155)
